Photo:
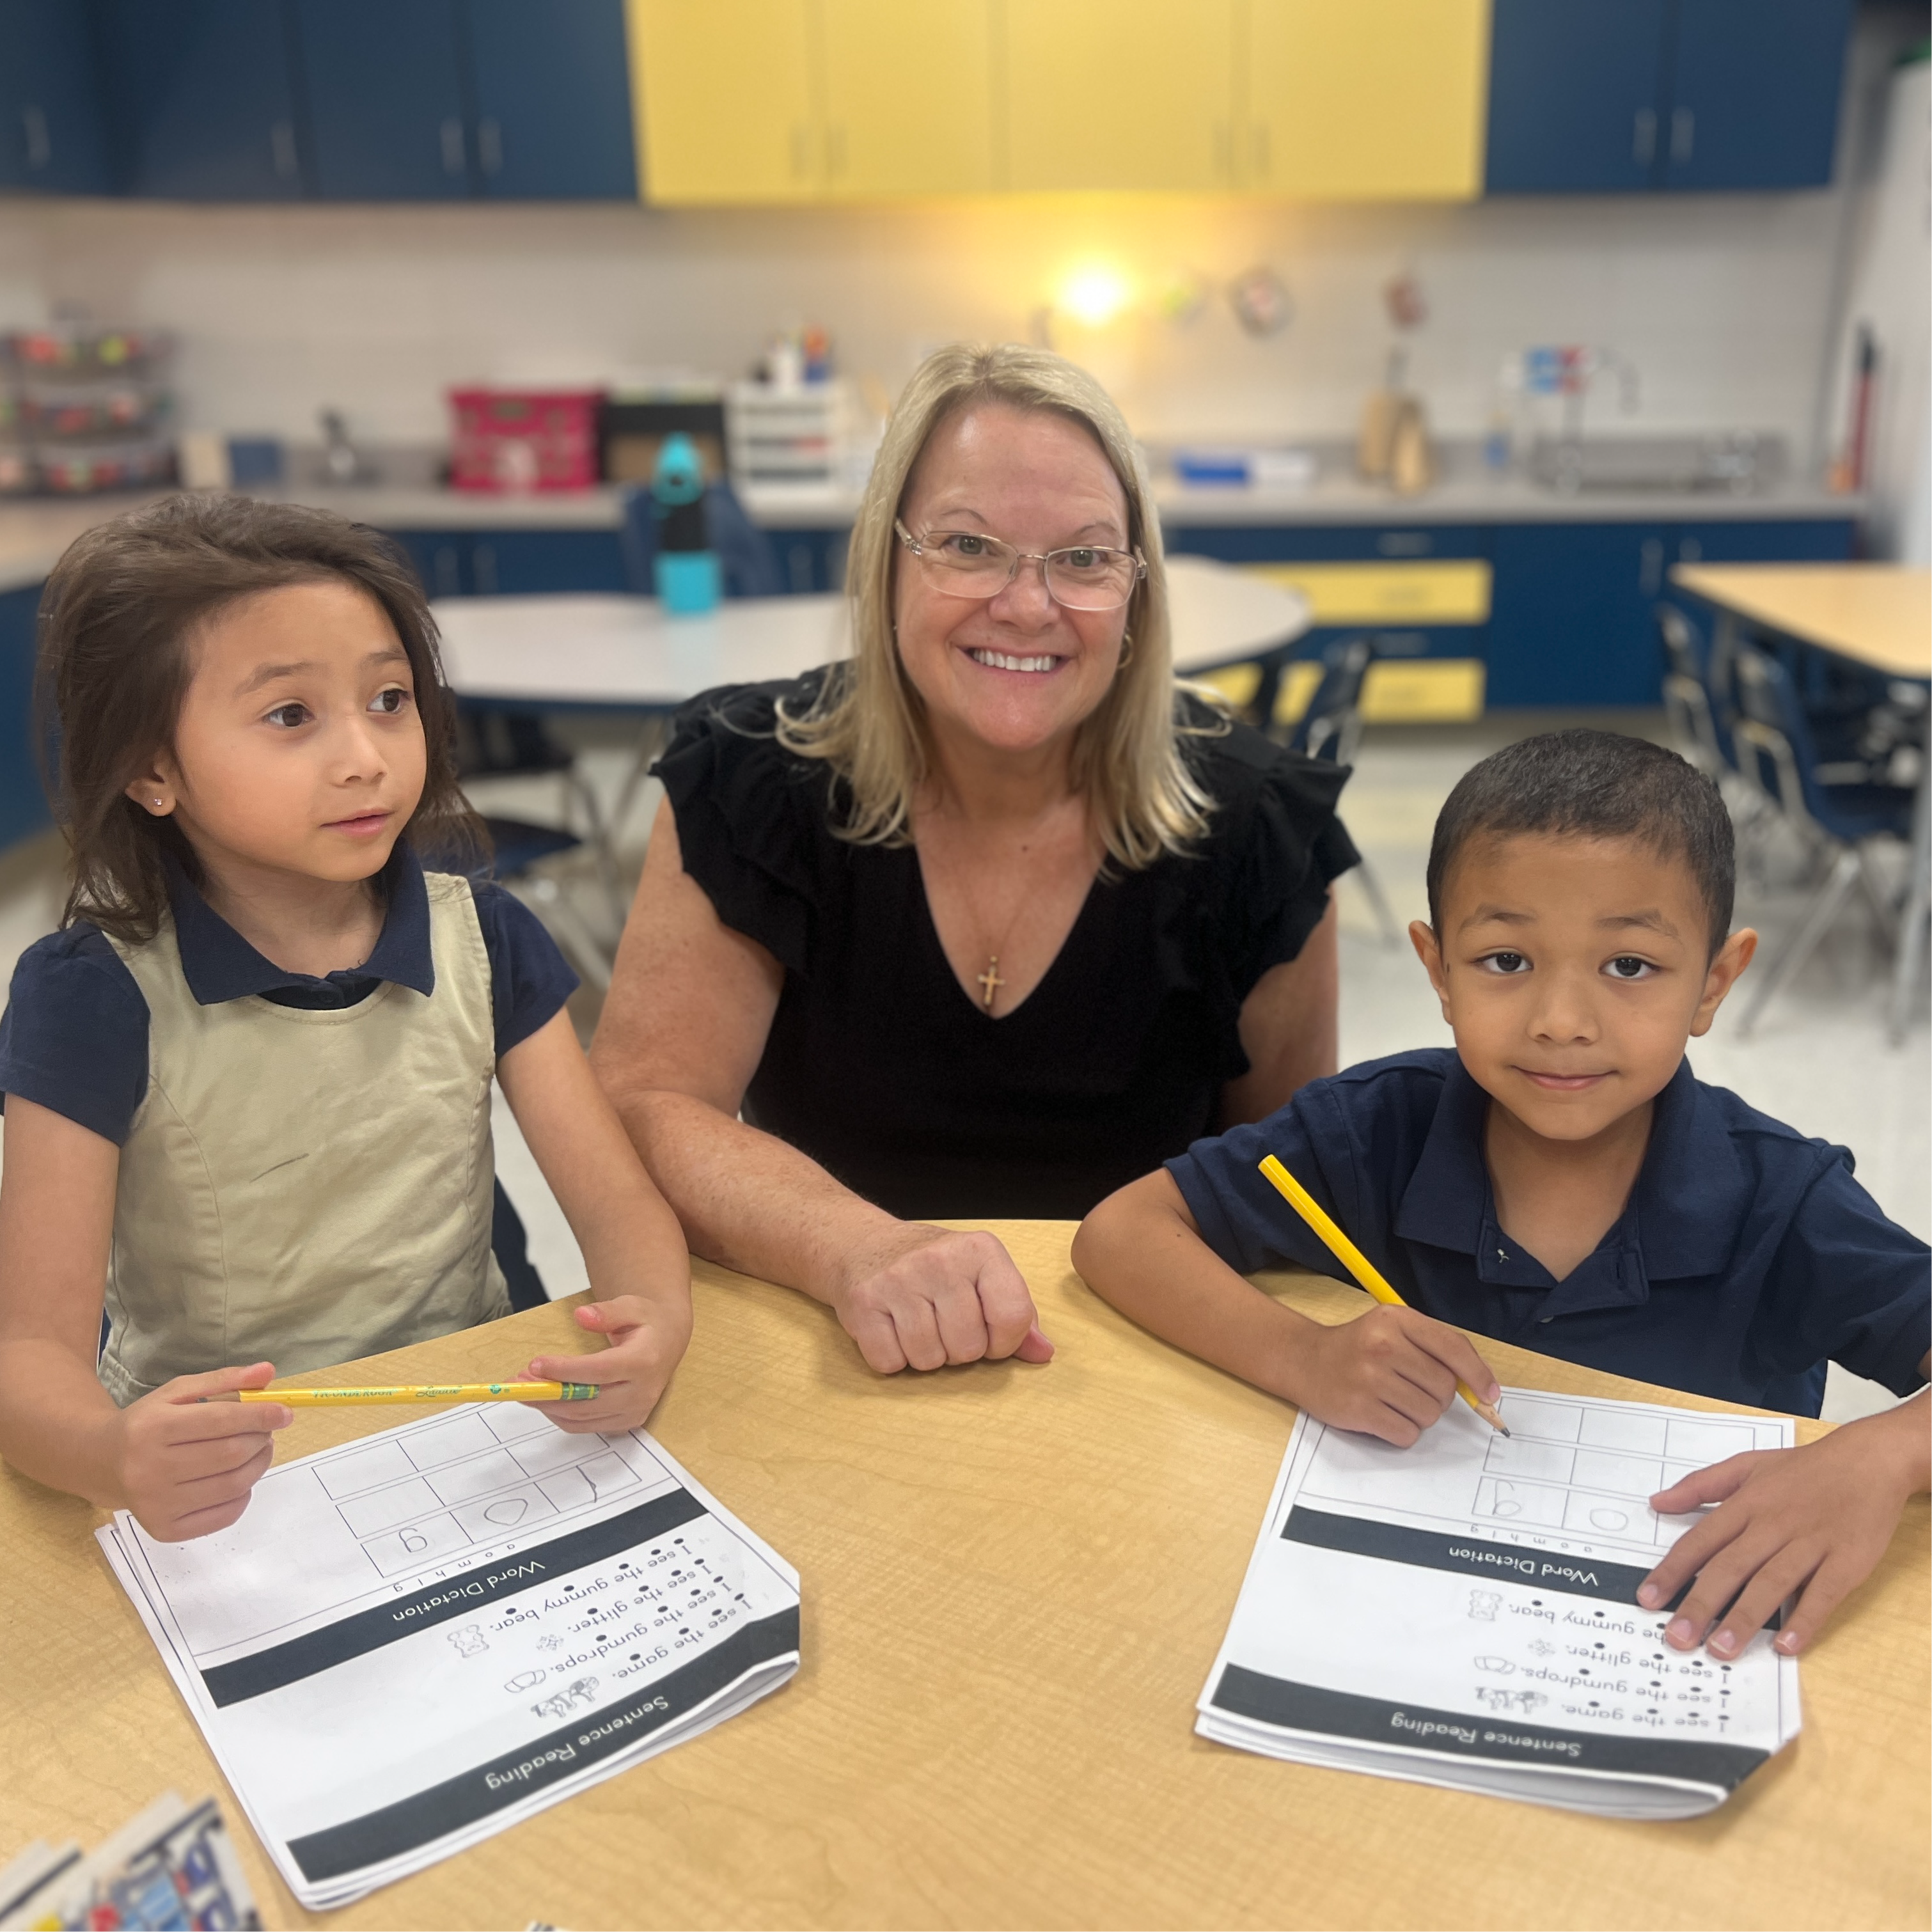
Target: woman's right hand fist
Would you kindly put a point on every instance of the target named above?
(926, 1297)
(187, 1466)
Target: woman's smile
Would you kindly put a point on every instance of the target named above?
(1032, 663)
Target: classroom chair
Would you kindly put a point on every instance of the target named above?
(493, 744)
(1834, 807)
(746, 560)
(1688, 701)
(1331, 729)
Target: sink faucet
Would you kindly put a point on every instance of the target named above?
(1580, 370)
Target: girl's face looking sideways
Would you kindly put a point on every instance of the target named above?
(299, 749)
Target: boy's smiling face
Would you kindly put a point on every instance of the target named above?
(1572, 971)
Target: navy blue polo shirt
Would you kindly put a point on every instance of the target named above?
(1746, 1259)
(74, 1035)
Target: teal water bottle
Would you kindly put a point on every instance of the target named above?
(688, 581)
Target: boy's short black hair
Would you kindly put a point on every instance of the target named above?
(1593, 784)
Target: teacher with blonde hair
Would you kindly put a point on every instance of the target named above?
(986, 921)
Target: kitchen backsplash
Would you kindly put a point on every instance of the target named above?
(1722, 305)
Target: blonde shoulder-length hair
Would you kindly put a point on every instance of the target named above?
(868, 722)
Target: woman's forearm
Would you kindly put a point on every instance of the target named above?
(750, 1201)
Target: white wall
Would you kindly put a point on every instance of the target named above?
(1722, 303)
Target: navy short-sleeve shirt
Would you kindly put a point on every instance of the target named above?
(1747, 1257)
(74, 1035)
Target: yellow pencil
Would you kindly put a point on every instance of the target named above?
(1357, 1264)
(325, 1398)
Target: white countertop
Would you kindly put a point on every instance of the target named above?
(34, 531)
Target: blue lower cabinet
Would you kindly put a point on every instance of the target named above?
(441, 559)
(1326, 543)
(1569, 615)
(515, 563)
(1572, 620)
(538, 563)
(23, 805)
(1827, 540)
(810, 561)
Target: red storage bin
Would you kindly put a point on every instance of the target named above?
(520, 440)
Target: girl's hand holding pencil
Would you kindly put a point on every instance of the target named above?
(187, 1459)
(647, 1337)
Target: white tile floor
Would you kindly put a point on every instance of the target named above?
(1819, 1059)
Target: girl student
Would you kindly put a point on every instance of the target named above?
(247, 1083)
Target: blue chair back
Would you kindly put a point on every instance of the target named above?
(1327, 728)
(749, 565)
(1768, 697)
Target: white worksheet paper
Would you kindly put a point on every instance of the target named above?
(409, 1643)
(1464, 1613)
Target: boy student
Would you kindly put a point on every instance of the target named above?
(1560, 1180)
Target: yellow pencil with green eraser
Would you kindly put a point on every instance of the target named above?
(337, 1398)
(1357, 1264)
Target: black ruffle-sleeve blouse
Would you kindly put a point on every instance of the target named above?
(882, 1068)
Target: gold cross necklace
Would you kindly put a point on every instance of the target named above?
(990, 982)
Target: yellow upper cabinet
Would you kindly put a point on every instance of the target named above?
(776, 100)
(726, 97)
(908, 97)
(1119, 95)
(1367, 100)
(791, 100)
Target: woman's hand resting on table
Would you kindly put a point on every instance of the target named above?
(922, 1297)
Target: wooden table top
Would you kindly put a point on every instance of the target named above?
(1015, 1580)
(1878, 614)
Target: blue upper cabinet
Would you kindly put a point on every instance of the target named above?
(1754, 89)
(201, 99)
(1573, 88)
(1694, 96)
(51, 138)
(553, 95)
(387, 112)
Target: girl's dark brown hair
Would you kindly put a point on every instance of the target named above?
(116, 622)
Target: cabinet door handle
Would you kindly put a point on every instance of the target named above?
(1405, 543)
(490, 146)
(1683, 133)
(1643, 136)
(451, 132)
(1650, 568)
(1690, 550)
(282, 148)
(40, 149)
(483, 569)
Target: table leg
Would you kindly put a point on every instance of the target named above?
(650, 742)
(1911, 956)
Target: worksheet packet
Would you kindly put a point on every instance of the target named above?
(1463, 1612)
(417, 1639)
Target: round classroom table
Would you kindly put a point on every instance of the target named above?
(624, 653)
(1014, 1579)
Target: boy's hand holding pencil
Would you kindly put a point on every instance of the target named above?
(1399, 1353)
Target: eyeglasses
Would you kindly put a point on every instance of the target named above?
(1084, 576)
